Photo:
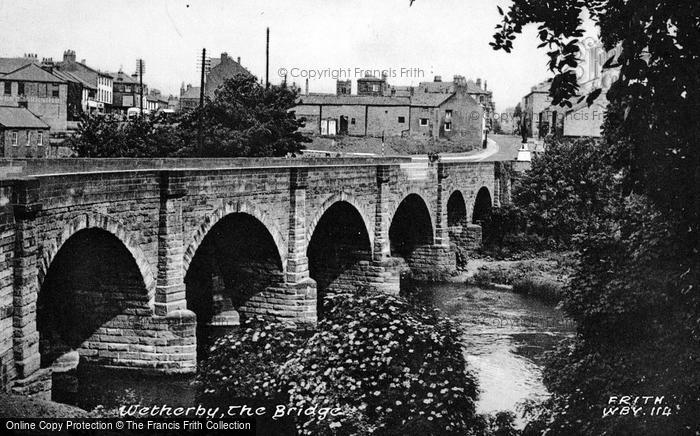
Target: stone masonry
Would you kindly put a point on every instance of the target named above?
(159, 212)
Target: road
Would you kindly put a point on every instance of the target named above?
(498, 148)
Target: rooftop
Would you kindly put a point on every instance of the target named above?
(19, 117)
(32, 73)
(8, 65)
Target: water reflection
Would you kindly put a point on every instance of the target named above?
(505, 337)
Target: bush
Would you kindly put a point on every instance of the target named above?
(244, 365)
(392, 369)
(400, 367)
(543, 290)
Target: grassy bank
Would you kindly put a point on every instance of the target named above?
(543, 277)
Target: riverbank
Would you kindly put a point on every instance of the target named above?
(543, 276)
(18, 406)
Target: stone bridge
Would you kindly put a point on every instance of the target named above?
(122, 260)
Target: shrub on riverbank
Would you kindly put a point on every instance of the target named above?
(543, 290)
(391, 367)
(543, 277)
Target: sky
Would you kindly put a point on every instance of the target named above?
(320, 39)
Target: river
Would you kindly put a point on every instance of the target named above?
(505, 338)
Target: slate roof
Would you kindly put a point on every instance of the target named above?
(122, 77)
(371, 100)
(449, 87)
(19, 117)
(32, 73)
(191, 93)
(429, 99)
(70, 77)
(8, 65)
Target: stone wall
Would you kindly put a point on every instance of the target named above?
(159, 215)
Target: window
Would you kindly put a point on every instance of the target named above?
(14, 139)
(448, 127)
(402, 119)
(448, 114)
(40, 138)
(20, 88)
(423, 121)
(54, 90)
(352, 120)
(8, 88)
(29, 139)
(375, 88)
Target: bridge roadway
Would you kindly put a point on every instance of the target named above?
(119, 259)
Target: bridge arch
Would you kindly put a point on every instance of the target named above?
(339, 250)
(95, 220)
(411, 227)
(329, 202)
(456, 209)
(91, 287)
(235, 272)
(483, 202)
(244, 207)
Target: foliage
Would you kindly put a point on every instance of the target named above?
(564, 191)
(635, 294)
(244, 119)
(390, 367)
(108, 136)
(650, 130)
(244, 364)
(401, 367)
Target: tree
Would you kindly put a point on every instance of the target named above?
(634, 296)
(566, 188)
(108, 136)
(245, 119)
(651, 129)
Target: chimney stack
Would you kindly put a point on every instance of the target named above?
(306, 88)
(484, 85)
(69, 56)
(478, 83)
(437, 79)
(224, 55)
(238, 59)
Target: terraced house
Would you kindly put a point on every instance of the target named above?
(451, 115)
(42, 93)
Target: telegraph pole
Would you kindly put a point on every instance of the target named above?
(267, 59)
(139, 67)
(201, 82)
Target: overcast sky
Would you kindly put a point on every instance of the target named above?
(433, 37)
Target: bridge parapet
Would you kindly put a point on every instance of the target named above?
(172, 218)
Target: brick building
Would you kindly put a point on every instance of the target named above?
(189, 97)
(222, 68)
(370, 85)
(44, 94)
(99, 83)
(475, 90)
(22, 134)
(534, 121)
(127, 92)
(450, 116)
